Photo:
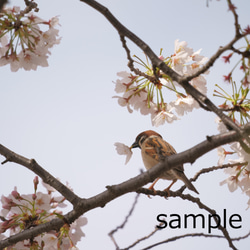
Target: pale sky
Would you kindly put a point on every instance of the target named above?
(65, 118)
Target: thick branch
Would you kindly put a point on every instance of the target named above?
(115, 191)
(183, 81)
(83, 205)
(2, 3)
(32, 165)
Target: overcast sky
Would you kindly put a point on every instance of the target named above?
(64, 115)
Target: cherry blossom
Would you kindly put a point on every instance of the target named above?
(239, 175)
(23, 41)
(121, 85)
(221, 127)
(183, 105)
(24, 211)
(222, 155)
(139, 93)
(162, 116)
(123, 149)
(242, 154)
(232, 183)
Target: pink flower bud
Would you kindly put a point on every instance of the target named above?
(36, 181)
(16, 195)
(34, 197)
(8, 203)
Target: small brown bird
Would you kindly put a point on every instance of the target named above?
(154, 150)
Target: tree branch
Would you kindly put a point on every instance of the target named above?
(2, 3)
(32, 165)
(141, 239)
(183, 81)
(194, 200)
(111, 234)
(83, 205)
(115, 191)
(193, 235)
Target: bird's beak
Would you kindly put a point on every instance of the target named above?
(134, 145)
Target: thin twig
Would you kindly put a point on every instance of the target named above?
(152, 79)
(182, 80)
(193, 235)
(111, 234)
(178, 193)
(142, 239)
(194, 200)
(236, 18)
(207, 170)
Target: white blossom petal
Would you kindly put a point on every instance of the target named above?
(123, 149)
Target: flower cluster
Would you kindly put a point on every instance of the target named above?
(239, 175)
(237, 104)
(23, 44)
(140, 92)
(21, 212)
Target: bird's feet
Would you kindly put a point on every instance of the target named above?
(167, 190)
(151, 188)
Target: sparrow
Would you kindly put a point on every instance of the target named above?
(154, 150)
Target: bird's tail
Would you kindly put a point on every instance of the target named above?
(188, 183)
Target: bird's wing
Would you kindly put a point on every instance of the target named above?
(158, 149)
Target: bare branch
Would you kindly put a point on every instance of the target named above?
(194, 200)
(245, 53)
(213, 58)
(111, 234)
(210, 169)
(2, 3)
(207, 170)
(142, 239)
(193, 235)
(236, 18)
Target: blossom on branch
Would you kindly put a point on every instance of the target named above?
(185, 104)
(26, 39)
(227, 58)
(21, 212)
(239, 175)
(148, 91)
(165, 115)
